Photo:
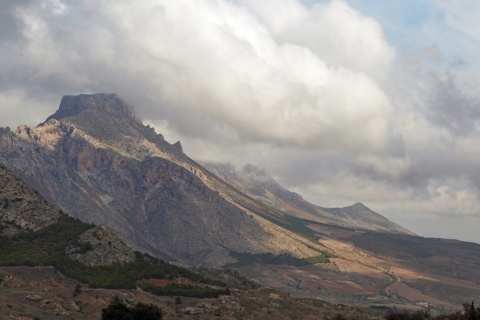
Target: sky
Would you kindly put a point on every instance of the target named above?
(342, 101)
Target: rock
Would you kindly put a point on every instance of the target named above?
(21, 207)
(192, 310)
(34, 297)
(178, 145)
(98, 247)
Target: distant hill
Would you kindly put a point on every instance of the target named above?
(259, 185)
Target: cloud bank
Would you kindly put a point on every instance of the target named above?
(315, 94)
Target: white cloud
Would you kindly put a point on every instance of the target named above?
(216, 61)
(462, 15)
(315, 94)
(336, 32)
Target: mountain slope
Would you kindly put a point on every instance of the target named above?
(92, 255)
(259, 185)
(94, 159)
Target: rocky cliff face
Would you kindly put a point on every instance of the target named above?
(96, 161)
(259, 185)
(99, 247)
(21, 207)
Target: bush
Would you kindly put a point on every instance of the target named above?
(469, 313)
(117, 310)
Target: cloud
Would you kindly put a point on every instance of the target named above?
(215, 61)
(315, 94)
(463, 16)
(334, 31)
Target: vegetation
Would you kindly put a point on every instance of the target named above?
(244, 259)
(117, 310)
(323, 258)
(469, 313)
(185, 291)
(47, 247)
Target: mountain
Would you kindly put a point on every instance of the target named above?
(94, 159)
(259, 185)
(34, 236)
(90, 258)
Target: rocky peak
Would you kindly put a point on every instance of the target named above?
(106, 118)
(359, 206)
(178, 145)
(107, 103)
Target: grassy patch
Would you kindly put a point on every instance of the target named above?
(323, 258)
(244, 259)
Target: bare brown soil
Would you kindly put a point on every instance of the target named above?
(404, 290)
(42, 292)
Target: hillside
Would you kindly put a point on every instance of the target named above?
(259, 185)
(21, 207)
(95, 160)
(89, 254)
(94, 258)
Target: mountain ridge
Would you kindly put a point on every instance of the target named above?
(259, 185)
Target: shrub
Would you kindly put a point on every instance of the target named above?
(117, 310)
